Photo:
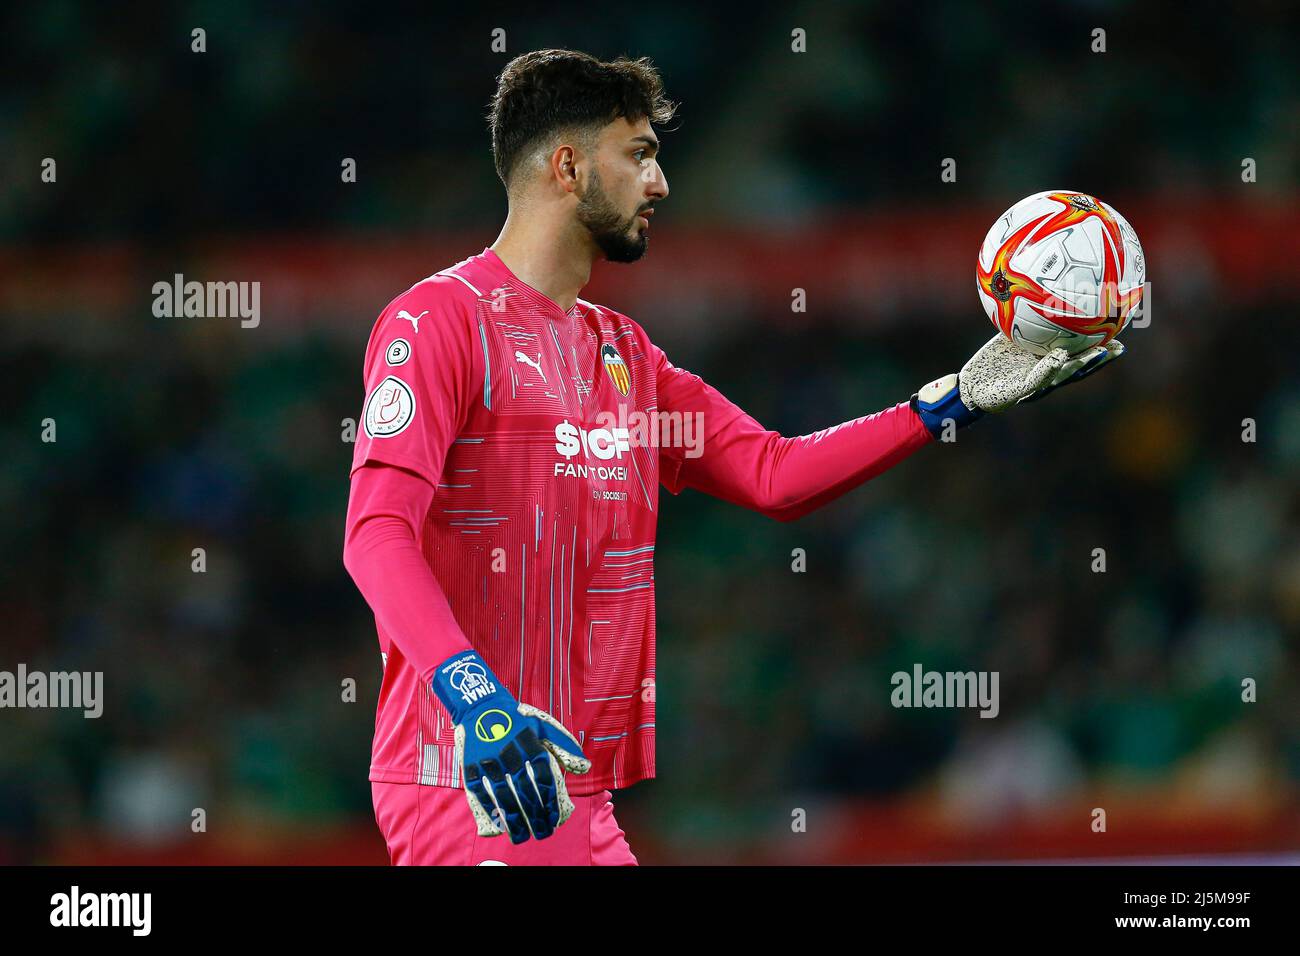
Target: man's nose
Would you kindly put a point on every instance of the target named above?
(658, 186)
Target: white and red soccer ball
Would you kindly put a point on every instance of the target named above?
(1060, 269)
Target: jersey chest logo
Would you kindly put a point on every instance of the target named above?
(616, 368)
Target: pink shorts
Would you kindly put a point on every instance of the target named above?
(432, 826)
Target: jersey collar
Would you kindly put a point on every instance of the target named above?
(501, 272)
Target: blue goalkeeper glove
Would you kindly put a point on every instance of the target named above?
(509, 754)
(1002, 374)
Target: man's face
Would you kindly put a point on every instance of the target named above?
(621, 190)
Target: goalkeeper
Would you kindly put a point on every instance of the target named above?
(501, 525)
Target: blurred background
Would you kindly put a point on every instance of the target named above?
(816, 170)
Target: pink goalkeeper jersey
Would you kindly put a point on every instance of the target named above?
(543, 437)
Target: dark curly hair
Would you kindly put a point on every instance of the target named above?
(548, 91)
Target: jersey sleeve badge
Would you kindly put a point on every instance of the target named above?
(390, 408)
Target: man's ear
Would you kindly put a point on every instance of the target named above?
(564, 168)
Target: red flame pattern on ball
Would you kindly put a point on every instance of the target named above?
(1006, 286)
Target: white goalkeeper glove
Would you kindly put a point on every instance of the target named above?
(1002, 374)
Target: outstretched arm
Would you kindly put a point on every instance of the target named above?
(740, 461)
(784, 478)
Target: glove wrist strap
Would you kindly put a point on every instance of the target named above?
(940, 401)
(463, 682)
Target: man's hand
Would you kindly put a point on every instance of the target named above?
(509, 754)
(1002, 374)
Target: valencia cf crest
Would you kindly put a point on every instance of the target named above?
(616, 368)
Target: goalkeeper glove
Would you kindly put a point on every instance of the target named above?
(1002, 374)
(507, 753)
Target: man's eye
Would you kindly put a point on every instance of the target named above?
(639, 155)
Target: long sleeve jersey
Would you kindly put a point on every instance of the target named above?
(505, 497)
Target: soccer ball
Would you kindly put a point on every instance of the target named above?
(1060, 269)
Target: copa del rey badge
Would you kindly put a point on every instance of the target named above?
(616, 368)
(389, 409)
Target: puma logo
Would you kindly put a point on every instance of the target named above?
(521, 357)
(413, 319)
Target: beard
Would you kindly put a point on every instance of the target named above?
(616, 237)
